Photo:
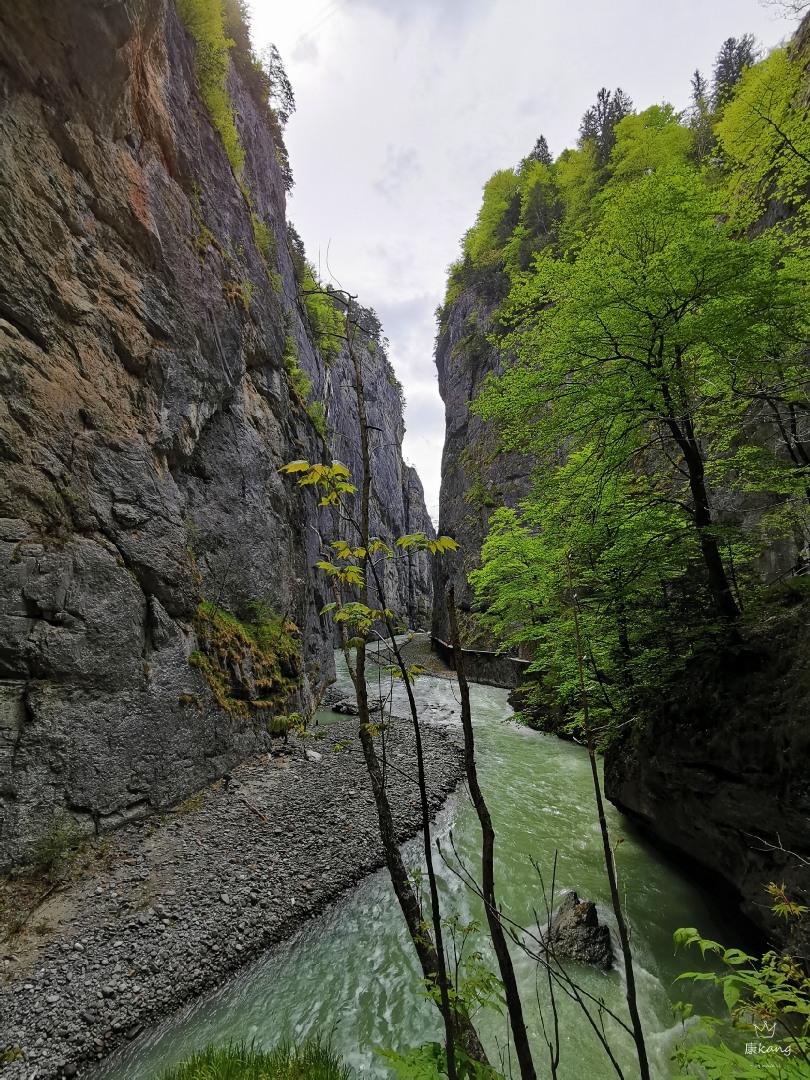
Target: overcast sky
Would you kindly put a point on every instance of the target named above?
(406, 107)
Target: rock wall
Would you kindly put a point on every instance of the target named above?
(721, 773)
(475, 479)
(143, 417)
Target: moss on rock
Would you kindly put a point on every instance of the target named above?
(248, 665)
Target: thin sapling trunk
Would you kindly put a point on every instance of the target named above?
(624, 937)
(439, 973)
(513, 1003)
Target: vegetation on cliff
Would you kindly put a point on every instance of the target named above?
(654, 332)
(221, 32)
(248, 665)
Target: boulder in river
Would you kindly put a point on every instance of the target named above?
(349, 706)
(576, 934)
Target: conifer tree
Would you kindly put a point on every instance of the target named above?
(736, 54)
(540, 152)
(600, 120)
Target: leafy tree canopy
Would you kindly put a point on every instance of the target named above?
(655, 347)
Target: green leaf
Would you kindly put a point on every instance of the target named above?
(731, 993)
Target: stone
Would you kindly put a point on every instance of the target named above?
(313, 755)
(576, 933)
(311, 819)
(348, 706)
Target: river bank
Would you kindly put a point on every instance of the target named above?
(179, 903)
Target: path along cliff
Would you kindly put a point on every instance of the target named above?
(159, 360)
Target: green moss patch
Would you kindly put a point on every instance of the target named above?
(249, 665)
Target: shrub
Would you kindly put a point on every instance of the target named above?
(324, 318)
(317, 415)
(297, 378)
(56, 848)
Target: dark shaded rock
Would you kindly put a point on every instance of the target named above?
(576, 934)
(545, 716)
(719, 775)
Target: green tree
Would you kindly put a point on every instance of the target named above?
(648, 141)
(627, 354)
(768, 1000)
(764, 137)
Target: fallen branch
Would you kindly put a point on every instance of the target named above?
(258, 813)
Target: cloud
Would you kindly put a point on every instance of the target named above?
(399, 168)
(305, 51)
(453, 15)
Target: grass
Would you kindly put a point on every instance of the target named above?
(57, 848)
(313, 1060)
(193, 803)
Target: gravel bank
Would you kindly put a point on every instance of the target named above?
(415, 651)
(182, 902)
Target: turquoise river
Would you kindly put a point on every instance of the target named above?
(350, 973)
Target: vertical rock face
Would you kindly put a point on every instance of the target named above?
(144, 412)
(475, 478)
(720, 773)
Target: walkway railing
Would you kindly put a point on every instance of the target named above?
(484, 665)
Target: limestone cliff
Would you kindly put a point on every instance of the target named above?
(144, 332)
(476, 479)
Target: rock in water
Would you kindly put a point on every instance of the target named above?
(349, 706)
(576, 934)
